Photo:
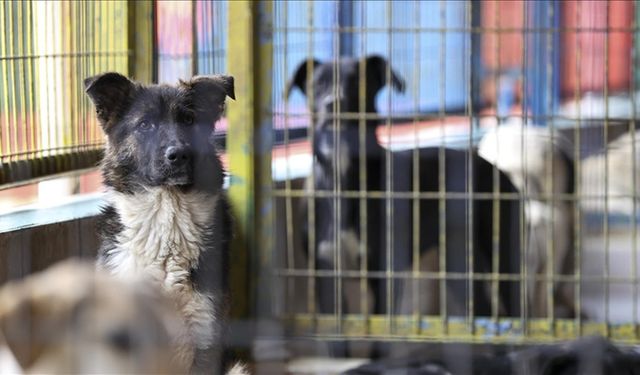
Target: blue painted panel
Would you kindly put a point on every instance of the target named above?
(211, 18)
(434, 64)
(76, 207)
(296, 39)
(542, 86)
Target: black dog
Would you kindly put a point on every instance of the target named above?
(168, 217)
(589, 355)
(340, 154)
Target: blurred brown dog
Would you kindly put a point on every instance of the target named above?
(73, 318)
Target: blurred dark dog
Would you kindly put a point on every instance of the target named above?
(168, 216)
(591, 355)
(351, 159)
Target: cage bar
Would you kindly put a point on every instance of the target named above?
(41, 96)
(249, 146)
(141, 41)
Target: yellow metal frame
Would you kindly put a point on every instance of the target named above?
(436, 329)
(141, 40)
(249, 148)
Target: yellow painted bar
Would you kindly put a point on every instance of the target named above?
(140, 40)
(4, 85)
(436, 329)
(249, 148)
(263, 143)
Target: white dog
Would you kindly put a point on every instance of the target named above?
(541, 171)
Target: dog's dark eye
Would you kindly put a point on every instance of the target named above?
(145, 126)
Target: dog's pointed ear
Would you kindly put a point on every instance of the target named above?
(377, 69)
(299, 79)
(17, 326)
(208, 93)
(109, 93)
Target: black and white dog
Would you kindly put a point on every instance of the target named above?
(168, 217)
(340, 155)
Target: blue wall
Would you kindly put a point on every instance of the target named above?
(425, 61)
(291, 47)
(434, 65)
(212, 36)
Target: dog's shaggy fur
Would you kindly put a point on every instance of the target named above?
(74, 318)
(168, 216)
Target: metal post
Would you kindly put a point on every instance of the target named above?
(249, 143)
(195, 56)
(142, 41)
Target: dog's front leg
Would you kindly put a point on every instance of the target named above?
(198, 310)
(327, 293)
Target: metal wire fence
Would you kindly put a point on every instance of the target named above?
(47, 125)
(46, 122)
(546, 91)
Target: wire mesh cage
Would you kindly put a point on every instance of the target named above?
(43, 63)
(47, 123)
(400, 171)
(543, 91)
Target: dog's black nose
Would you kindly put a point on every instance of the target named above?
(177, 155)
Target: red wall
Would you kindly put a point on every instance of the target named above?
(502, 40)
(583, 26)
(590, 70)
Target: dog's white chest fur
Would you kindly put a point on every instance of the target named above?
(159, 225)
(162, 238)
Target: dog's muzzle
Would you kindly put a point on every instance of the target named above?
(178, 165)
